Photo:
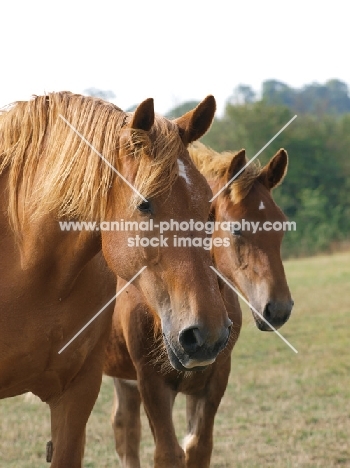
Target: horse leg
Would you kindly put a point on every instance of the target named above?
(70, 412)
(201, 410)
(126, 422)
(158, 400)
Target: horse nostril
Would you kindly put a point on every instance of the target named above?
(267, 312)
(277, 313)
(198, 336)
(191, 339)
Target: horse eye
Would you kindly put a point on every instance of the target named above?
(145, 207)
(236, 232)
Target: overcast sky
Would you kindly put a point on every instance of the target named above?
(173, 51)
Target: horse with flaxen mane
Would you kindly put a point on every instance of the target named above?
(135, 351)
(61, 159)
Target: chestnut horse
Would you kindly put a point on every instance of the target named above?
(66, 157)
(252, 263)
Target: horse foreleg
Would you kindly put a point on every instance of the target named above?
(158, 400)
(69, 414)
(126, 422)
(201, 410)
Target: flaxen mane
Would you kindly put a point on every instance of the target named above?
(215, 165)
(51, 169)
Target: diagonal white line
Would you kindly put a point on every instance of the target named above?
(251, 160)
(101, 310)
(258, 313)
(103, 158)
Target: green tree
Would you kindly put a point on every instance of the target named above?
(248, 126)
(278, 93)
(243, 94)
(181, 109)
(317, 99)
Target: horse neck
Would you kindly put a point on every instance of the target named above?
(70, 251)
(42, 252)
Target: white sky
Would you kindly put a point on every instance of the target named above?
(173, 51)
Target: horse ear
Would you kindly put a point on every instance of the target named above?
(143, 117)
(275, 170)
(196, 122)
(237, 164)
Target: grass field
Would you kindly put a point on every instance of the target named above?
(280, 409)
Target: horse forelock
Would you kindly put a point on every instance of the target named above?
(55, 170)
(214, 166)
(157, 170)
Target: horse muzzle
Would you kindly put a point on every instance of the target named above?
(275, 313)
(193, 350)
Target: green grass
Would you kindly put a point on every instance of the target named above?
(280, 409)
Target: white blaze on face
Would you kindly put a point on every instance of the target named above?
(182, 171)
